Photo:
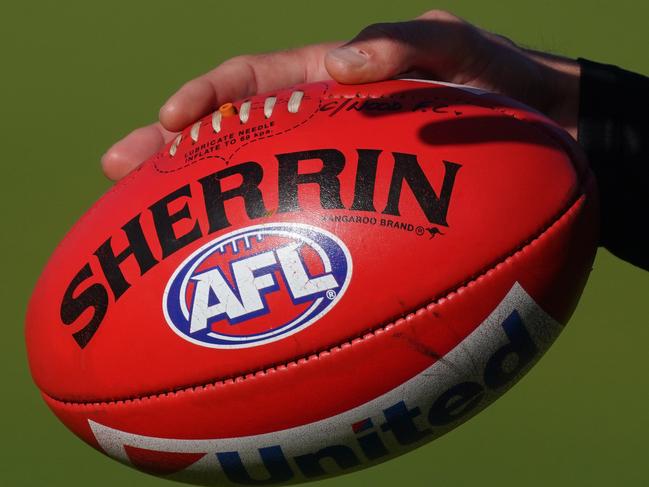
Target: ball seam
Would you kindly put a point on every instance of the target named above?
(469, 282)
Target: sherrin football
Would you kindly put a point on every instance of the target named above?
(313, 281)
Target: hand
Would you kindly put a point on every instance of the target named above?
(436, 45)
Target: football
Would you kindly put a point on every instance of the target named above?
(312, 281)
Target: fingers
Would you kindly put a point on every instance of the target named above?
(236, 78)
(442, 46)
(241, 77)
(434, 42)
(437, 43)
(128, 153)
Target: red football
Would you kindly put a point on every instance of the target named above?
(313, 281)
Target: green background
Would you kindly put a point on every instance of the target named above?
(78, 75)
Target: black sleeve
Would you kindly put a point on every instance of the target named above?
(614, 132)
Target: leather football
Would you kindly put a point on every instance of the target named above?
(315, 280)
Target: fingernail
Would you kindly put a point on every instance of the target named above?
(350, 55)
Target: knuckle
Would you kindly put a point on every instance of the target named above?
(189, 85)
(242, 65)
(457, 30)
(502, 40)
(243, 70)
(382, 30)
(441, 16)
(381, 27)
(238, 60)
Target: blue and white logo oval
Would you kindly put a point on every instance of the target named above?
(257, 285)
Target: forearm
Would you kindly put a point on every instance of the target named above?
(614, 132)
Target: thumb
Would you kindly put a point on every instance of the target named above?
(438, 43)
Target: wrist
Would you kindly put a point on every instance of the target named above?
(560, 77)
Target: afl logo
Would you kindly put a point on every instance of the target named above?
(257, 285)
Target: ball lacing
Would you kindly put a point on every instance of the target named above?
(226, 110)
